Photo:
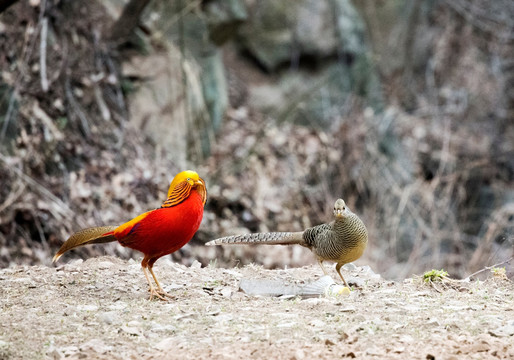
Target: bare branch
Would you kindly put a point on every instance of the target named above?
(488, 268)
(42, 54)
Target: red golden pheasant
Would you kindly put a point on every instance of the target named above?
(157, 232)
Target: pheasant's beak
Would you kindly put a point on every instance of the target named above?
(339, 213)
(199, 185)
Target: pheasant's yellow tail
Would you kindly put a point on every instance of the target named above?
(96, 235)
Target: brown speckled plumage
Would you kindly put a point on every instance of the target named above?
(342, 241)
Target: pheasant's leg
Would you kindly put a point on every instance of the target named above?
(338, 269)
(160, 290)
(152, 290)
(320, 262)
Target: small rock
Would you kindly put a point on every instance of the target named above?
(69, 350)
(52, 354)
(299, 354)
(108, 317)
(118, 305)
(433, 322)
(374, 351)
(316, 301)
(75, 262)
(130, 330)
(172, 287)
(87, 307)
(329, 342)
(317, 323)
(196, 265)
(480, 347)
(367, 270)
(399, 349)
(158, 328)
(234, 273)
(186, 316)
(226, 292)
(348, 308)
(244, 339)
(358, 282)
(503, 331)
(134, 323)
(96, 345)
(350, 267)
(406, 339)
(166, 344)
(4, 347)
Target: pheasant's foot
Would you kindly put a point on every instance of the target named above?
(163, 293)
(156, 293)
(159, 290)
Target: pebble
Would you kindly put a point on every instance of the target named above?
(434, 322)
(131, 330)
(317, 323)
(226, 292)
(196, 265)
(87, 307)
(349, 267)
(503, 331)
(54, 354)
(348, 308)
(172, 287)
(118, 305)
(96, 345)
(166, 344)
(358, 282)
(316, 301)
(108, 317)
(299, 354)
(69, 350)
(159, 328)
(134, 324)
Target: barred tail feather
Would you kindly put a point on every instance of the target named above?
(97, 235)
(274, 238)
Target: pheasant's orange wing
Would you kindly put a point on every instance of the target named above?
(126, 229)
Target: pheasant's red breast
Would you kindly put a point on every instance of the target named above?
(165, 230)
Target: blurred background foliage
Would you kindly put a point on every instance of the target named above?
(403, 108)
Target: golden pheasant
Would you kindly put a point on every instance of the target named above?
(157, 232)
(342, 241)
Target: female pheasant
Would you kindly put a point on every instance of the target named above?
(157, 232)
(342, 241)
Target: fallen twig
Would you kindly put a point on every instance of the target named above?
(467, 278)
(42, 54)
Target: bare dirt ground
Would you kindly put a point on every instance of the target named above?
(98, 309)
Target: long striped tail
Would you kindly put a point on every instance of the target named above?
(96, 235)
(273, 238)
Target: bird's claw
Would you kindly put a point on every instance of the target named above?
(160, 294)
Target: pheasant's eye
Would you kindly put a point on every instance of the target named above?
(188, 179)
